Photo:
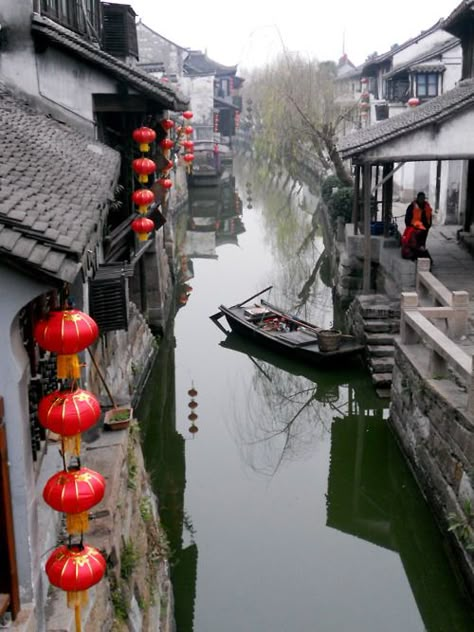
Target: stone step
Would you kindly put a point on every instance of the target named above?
(381, 326)
(383, 393)
(380, 311)
(381, 379)
(379, 339)
(377, 351)
(381, 365)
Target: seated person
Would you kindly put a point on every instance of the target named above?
(413, 248)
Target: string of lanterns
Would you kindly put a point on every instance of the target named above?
(69, 411)
(192, 415)
(145, 167)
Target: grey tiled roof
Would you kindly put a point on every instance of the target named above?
(139, 80)
(54, 187)
(198, 62)
(433, 52)
(449, 23)
(435, 110)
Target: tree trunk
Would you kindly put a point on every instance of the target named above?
(339, 167)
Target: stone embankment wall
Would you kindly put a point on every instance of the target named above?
(136, 594)
(438, 438)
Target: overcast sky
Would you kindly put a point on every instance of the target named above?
(249, 32)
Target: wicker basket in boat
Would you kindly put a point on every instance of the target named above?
(329, 339)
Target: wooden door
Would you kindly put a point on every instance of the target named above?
(9, 590)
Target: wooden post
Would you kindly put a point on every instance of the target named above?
(470, 392)
(387, 196)
(355, 200)
(9, 574)
(367, 237)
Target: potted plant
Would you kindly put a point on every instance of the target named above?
(118, 417)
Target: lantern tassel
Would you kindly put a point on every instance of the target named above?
(76, 599)
(77, 523)
(144, 147)
(77, 617)
(68, 367)
(72, 444)
(143, 178)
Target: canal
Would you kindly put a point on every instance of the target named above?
(287, 504)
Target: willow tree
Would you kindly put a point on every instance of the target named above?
(296, 109)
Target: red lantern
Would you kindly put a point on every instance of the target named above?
(364, 80)
(413, 102)
(66, 332)
(144, 136)
(74, 492)
(188, 158)
(75, 569)
(166, 183)
(167, 124)
(142, 226)
(166, 144)
(143, 167)
(192, 417)
(188, 130)
(188, 144)
(143, 198)
(188, 115)
(193, 429)
(68, 413)
(168, 166)
(192, 404)
(192, 392)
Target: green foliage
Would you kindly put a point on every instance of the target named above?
(463, 526)
(119, 604)
(145, 509)
(128, 560)
(340, 204)
(330, 183)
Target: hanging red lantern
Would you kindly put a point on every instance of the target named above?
(68, 413)
(75, 569)
(192, 417)
(167, 124)
(188, 130)
(74, 492)
(143, 198)
(142, 226)
(66, 332)
(188, 115)
(193, 429)
(166, 183)
(413, 102)
(192, 404)
(188, 158)
(144, 136)
(168, 166)
(192, 392)
(143, 167)
(166, 144)
(188, 144)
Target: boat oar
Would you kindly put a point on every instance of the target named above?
(215, 317)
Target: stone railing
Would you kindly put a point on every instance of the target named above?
(450, 311)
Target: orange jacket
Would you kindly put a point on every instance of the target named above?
(420, 218)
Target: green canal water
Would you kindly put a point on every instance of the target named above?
(287, 503)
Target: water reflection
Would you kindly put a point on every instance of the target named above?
(292, 506)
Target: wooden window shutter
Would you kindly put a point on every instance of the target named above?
(108, 297)
(119, 34)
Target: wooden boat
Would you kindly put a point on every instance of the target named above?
(285, 333)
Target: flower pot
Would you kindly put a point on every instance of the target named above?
(329, 339)
(118, 418)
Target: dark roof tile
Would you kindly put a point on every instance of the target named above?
(435, 110)
(38, 207)
(139, 80)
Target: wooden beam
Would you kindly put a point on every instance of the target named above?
(387, 196)
(355, 200)
(10, 573)
(367, 173)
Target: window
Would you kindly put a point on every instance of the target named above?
(70, 13)
(398, 89)
(427, 85)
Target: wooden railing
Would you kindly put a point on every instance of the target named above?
(450, 311)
